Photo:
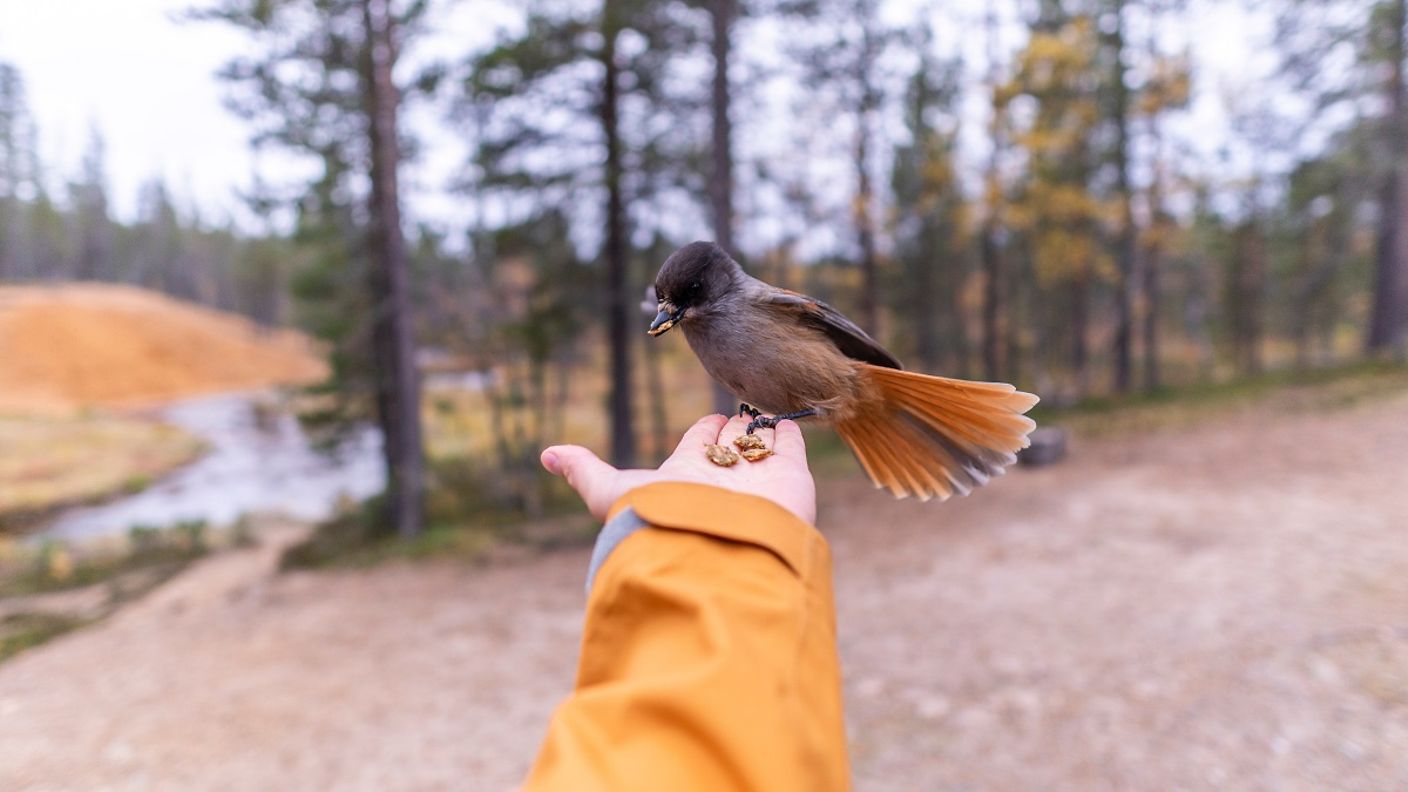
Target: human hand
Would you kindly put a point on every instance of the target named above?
(782, 478)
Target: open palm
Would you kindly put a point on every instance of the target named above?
(782, 478)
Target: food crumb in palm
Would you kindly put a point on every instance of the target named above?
(722, 456)
(755, 454)
(748, 442)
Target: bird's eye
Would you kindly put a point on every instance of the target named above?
(695, 287)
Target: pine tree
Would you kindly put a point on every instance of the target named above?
(89, 198)
(930, 217)
(1315, 37)
(1056, 208)
(322, 85)
(845, 63)
(606, 143)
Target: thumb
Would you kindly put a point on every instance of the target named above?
(584, 471)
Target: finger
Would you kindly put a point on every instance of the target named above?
(705, 430)
(584, 471)
(788, 441)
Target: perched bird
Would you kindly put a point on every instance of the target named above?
(796, 357)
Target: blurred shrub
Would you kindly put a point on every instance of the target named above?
(136, 483)
(469, 508)
(143, 540)
(56, 566)
(55, 562)
(242, 533)
(20, 631)
(191, 536)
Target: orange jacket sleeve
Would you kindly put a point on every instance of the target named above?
(708, 659)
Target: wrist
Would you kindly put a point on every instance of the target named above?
(722, 513)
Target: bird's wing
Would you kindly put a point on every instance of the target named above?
(845, 334)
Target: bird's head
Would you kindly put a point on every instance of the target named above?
(691, 282)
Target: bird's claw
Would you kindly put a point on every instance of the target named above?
(744, 408)
(760, 422)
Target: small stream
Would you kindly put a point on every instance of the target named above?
(257, 461)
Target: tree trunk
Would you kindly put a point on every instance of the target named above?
(398, 389)
(992, 301)
(1153, 255)
(659, 410)
(1016, 301)
(1249, 273)
(923, 307)
(1153, 260)
(865, 232)
(618, 303)
(721, 179)
(1080, 323)
(1303, 318)
(865, 228)
(1386, 326)
(991, 252)
(1124, 292)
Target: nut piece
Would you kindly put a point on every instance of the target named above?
(747, 441)
(755, 454)
(722, 456)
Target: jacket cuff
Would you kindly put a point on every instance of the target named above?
(724, 514)
(612, 533)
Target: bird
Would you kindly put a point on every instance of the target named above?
(795, 357)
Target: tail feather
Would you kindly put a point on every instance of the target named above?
(905, 449)
(974, 427)
(932, 436)
(885, 454)
(868, 456)
(984, 424)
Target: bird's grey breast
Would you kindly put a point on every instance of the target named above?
(748, 355)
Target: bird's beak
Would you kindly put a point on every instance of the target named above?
(668, 317)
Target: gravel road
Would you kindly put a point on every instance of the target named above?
(1223, 607)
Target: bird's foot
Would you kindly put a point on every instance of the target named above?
(760, 422)
(766, 422)
(749, 410)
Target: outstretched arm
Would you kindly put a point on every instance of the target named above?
(708, 658)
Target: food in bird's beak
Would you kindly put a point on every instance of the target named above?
(664, 320)
(723, 456)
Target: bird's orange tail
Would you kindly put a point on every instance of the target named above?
(932, 436)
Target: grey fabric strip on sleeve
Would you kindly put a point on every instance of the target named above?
(620, 526)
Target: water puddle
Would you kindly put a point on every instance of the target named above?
(259, 460)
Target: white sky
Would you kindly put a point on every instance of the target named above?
(128, 68)
(125, 67)
(147, 81)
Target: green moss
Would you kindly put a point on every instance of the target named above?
(21, 631)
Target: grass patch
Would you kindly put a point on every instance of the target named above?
(114, 573)
(47, 463)
(469, 511)
(57, 567)
(21, 631)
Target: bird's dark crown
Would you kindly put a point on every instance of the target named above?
(695, 275)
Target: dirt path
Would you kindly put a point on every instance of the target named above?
(1224, 609)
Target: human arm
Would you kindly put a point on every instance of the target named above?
(708, 658)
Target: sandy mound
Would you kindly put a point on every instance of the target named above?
(78, 345)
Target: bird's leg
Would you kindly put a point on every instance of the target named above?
(744, 408)
(764, 422)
